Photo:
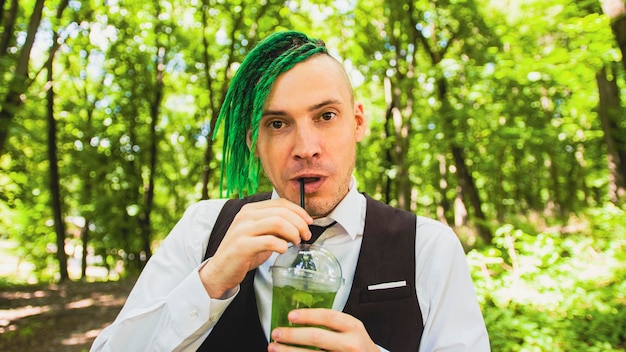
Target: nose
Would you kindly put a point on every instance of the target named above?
(307, 142)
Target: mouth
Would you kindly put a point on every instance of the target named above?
(311, 179)
(312, 183)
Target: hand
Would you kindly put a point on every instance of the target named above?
(346, 333)
(258, 229)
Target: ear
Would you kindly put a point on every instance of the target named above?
(360, 121)
(249, 142)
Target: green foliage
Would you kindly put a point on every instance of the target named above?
(556, 291)
(510, 83)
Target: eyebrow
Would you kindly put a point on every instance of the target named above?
(309, 109)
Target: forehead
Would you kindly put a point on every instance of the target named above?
(320, 75)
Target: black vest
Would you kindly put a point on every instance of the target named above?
(392, 317)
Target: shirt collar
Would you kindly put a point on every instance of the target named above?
(349, 213)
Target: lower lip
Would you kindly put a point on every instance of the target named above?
(310, 187)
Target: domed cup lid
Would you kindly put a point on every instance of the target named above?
(309, 263)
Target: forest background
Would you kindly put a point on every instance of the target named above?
(503, 119)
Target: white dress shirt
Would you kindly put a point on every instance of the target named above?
(169, 309)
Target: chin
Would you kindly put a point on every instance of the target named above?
(319, 209)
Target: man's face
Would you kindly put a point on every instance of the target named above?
(309, 129)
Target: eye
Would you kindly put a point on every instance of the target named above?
(327, 116)
(276, 124)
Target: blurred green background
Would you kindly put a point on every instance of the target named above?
(503, 119)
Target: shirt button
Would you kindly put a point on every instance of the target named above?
(213, 318)
(193, 314)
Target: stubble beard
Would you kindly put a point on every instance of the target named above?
(324, 206)
(318, 207)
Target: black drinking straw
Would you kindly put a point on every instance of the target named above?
(302, 192)
(302, 198)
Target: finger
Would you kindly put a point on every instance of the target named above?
(253, 214)
(267, 243)
(278, 347)
(299, 338)
(279, 203)
(271, 220)
(284, 225)
(334, 320)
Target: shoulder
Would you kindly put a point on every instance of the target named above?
(198, 219)
(430, 230)
(205, 208)
(237, 203)
(386, 208)
(203, 214)
(431, 226)
(436, 243)
(189, 237)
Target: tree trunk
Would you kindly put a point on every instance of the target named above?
(5, 40)
(466, 181)
(2, 10)
(148, 194)
(609, 111)
(460, 211)
(86, 177)
(397, 128)
(55, 187)
(436, 53)
(402, 128)
(399, 109)
(84, 238)
(20, 81)
(87, 189)
(616, 10)
(207, 170)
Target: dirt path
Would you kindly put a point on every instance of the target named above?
(64, 317)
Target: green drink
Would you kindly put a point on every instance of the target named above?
(285, 299)
(304, 277)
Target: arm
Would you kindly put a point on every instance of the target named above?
(168, 307)
(452, 317)
(177, 299)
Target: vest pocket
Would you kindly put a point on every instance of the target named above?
(387, 294)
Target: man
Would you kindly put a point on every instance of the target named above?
(291, 108)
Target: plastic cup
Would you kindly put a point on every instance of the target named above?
(306, 276)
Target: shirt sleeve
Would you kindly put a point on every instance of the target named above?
(452, 317)
(168, 309)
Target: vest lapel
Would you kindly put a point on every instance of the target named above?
(239, 328)
(383, 293)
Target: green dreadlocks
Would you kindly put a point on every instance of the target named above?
(243, 104)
